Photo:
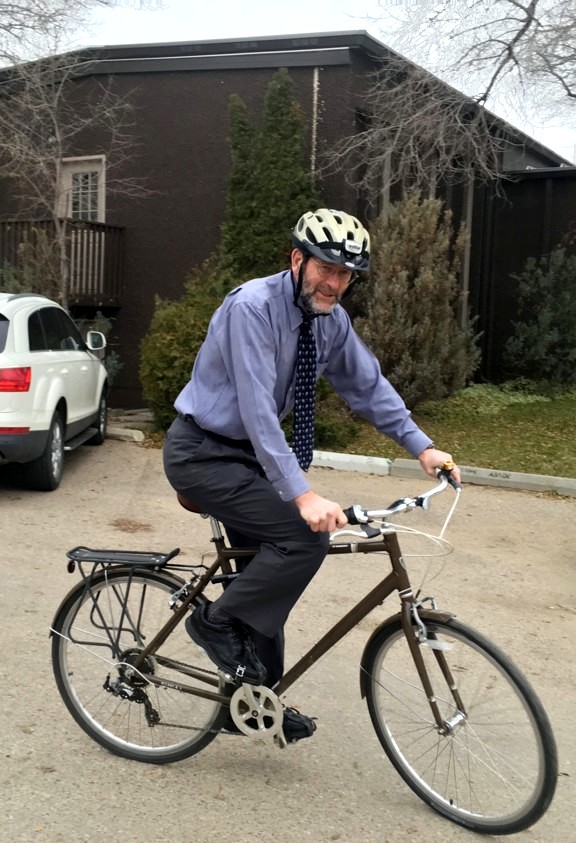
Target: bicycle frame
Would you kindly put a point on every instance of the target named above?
(396, 580)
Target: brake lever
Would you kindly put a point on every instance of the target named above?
(370, 532)
(355, 515)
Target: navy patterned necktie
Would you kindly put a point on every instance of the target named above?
(304, 395)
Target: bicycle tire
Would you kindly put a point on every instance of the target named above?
(84, 663)
(496, 772)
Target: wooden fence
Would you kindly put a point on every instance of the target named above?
(95, 253)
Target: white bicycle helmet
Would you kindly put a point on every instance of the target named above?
(335, 237)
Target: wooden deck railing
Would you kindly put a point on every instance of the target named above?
(95, 254)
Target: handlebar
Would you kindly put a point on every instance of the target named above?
(357, 515)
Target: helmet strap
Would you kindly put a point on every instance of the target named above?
(308, 315)
(298, 284)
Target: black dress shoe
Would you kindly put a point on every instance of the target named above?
(225, 642)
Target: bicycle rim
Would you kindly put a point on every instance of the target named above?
(495, 771)
(159, 724)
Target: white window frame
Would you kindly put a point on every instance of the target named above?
(82, 164)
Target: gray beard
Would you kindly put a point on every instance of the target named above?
(309, 305)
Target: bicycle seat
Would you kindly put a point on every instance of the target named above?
(188, 504)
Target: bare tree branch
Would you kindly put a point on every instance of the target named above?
(426, 130)
(477, 44)
(417, 130)
(30, 28)
(50, 111)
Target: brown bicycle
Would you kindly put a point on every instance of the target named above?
(455, 716)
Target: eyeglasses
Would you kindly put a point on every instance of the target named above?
(325, 270)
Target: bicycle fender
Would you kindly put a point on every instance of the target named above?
(425, 614)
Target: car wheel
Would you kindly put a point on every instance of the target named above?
(45, 472)
(101, 423)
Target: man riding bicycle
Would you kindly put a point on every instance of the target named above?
(266, 345)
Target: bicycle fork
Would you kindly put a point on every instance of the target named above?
(417, 636)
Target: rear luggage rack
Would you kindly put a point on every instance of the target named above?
(134, 558)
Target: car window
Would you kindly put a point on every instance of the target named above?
(51, 324)
(61, 333)
(4, 322)
(72, 336)
(36, 339)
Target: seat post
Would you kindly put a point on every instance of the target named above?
(216, 529)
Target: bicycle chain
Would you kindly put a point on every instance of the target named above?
(198, 728)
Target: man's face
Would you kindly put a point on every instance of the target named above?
(323, 284)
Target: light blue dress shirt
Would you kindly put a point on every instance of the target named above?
(242, 383)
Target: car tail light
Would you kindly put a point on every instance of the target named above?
(13, 430)
(16, 379)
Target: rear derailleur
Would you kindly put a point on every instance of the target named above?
(124, 689)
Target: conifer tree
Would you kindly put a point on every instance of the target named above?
(412, 299)
(268, 190)
(237, 241)
(270, 185)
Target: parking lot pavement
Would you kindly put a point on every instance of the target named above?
(512, 575)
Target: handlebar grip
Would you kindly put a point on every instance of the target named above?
(349, 513)
(446, 471)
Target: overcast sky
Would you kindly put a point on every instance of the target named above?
(196, 20)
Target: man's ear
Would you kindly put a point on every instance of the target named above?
(296, 260)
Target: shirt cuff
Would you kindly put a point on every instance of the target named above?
(416, 442)
(291, 487)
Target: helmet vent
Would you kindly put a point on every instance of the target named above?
(310, 236)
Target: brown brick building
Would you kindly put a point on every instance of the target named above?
(134, 249)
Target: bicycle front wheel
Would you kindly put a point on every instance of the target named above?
(492, 768)
(98, 634)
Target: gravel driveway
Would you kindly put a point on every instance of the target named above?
(512, 575)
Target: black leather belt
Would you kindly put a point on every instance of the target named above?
(245, 444)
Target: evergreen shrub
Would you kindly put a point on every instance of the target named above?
(412, 302)
(176, 333)
(543, 345)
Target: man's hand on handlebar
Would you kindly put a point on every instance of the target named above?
(321, 515)
(432, 459)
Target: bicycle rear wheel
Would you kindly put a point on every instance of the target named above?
(118, 707)
(495, 769)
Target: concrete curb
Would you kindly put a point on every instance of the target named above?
(409, 468)
(352, 462)
(477, 476)
(126, 434)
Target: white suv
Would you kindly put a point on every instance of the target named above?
(52, 387)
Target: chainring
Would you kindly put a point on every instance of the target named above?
(256, 711)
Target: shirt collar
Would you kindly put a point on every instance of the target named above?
(294, 312)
